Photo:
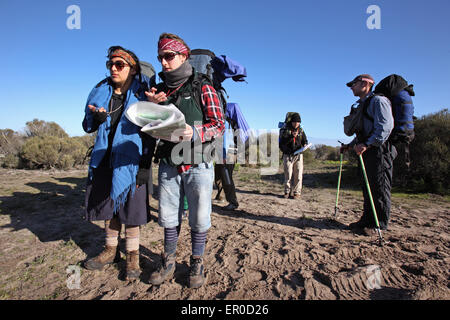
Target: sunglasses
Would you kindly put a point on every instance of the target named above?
(168, 56)
(118, 64)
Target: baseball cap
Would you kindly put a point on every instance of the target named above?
(361, 77)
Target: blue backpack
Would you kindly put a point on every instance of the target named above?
(399, 92)
(215, 70)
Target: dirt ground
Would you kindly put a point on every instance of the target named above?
(271, 248)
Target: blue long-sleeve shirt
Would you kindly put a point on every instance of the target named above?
(378, 129)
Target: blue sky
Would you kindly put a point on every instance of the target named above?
(298, 54)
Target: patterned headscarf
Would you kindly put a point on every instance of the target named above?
(124, 55)
(174, 45)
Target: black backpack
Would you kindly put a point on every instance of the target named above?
(200, 59)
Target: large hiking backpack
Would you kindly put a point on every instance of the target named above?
(215, 70)
(283, 126)
(397, 90)
(201, 59)
(147, 75)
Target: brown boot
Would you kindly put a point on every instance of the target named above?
(197, 272)
(133, 269)
(107, 256)
(165, 270)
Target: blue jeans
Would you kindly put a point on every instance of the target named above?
(196, 184)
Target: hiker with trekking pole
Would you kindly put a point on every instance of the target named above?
(372, 121)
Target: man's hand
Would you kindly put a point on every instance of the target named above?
(360, 148)
(344, 147)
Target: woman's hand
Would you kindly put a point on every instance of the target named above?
(154, 97)
(94, 109)
(100, 114)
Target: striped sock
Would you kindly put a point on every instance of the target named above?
(198, 242)
(171, 239)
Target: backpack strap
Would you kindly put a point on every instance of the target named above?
(199, 80)
(197, 83)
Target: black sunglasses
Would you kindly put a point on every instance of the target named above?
(118, 64)
(168, 56)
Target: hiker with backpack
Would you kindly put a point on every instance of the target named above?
(373, 128)
(194, 180)
(223, 169)
(121, 157)
(292, 138)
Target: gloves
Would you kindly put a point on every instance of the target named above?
(100, 117)
(343, 148)
(142, 176)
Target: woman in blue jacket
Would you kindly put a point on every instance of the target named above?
(120, 162)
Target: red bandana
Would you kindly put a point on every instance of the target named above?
(124, 55)
(173, 45)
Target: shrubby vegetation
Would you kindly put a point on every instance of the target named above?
(430, 156)
(43, 145)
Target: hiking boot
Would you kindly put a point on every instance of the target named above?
(165, 270)
(196, 274)
(107, 256)
(133, 269)
(296, 196)
(367, 231)
(357, 225)
(230, 207)
(286, 195)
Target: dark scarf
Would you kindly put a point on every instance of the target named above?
(177, 77)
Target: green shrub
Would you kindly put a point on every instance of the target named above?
(52, 152)
(10, 161)
(429, 154)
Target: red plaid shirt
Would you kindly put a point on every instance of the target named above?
(214, 125)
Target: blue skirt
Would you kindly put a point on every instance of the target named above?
(99, 205)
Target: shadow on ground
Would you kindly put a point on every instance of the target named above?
(55, 213)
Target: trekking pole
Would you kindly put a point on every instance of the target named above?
(380, 238)
(339, 184)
